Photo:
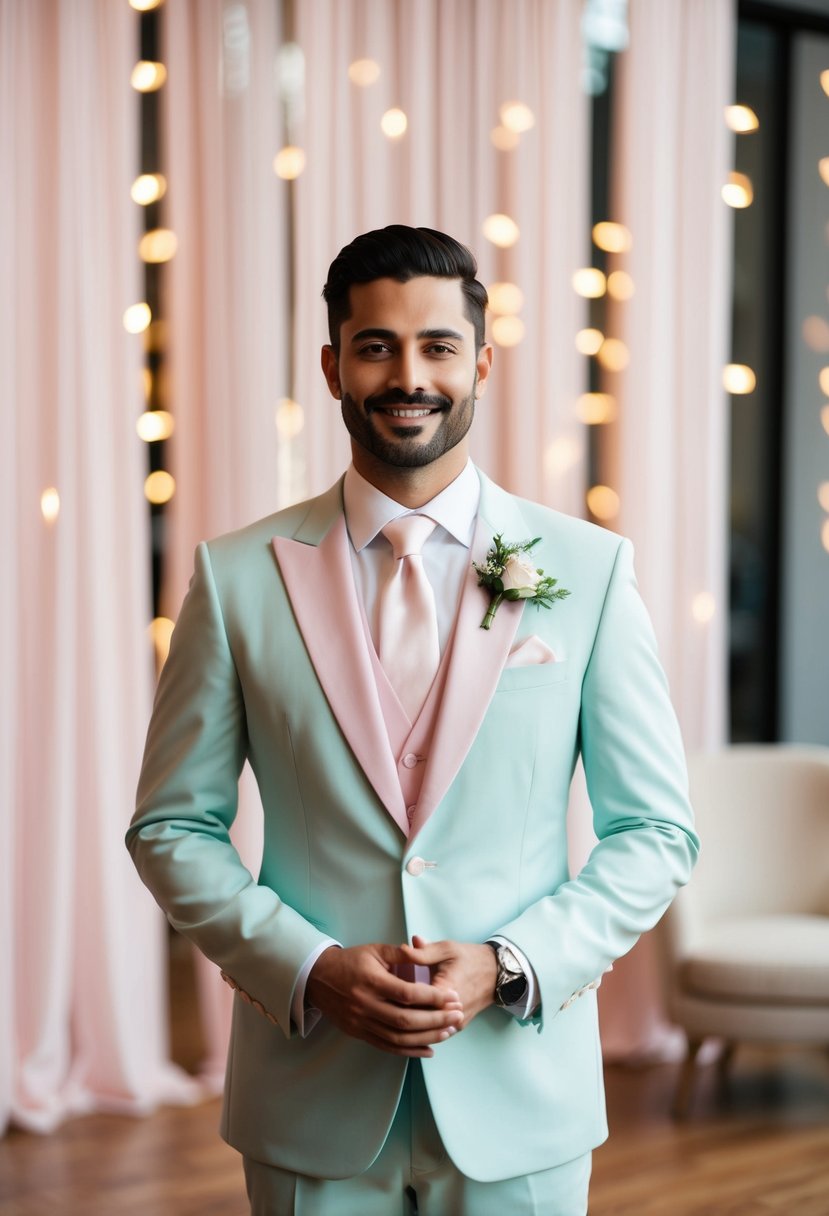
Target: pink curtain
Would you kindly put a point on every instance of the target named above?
(82, 1004)
(667, 456)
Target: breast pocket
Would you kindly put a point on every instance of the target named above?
(534, 676)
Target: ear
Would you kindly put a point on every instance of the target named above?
(331, 370)
(483, 366)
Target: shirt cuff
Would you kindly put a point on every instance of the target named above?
(305, 1017)
(524, 1009)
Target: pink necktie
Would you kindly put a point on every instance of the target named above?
(409, 648)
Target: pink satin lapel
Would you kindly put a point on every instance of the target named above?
(476, 662)
(320, 584)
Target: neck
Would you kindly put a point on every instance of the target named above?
(411, 487)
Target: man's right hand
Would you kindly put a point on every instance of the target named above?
(356, 989)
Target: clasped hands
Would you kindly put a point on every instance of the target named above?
(356, 989)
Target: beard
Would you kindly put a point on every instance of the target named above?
(405, 451)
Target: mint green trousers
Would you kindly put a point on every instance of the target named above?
(413, 1176)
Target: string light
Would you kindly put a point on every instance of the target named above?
(816, 334)
(589, 341)
(603, 502)
(561, 456)
(363, 72)
(824, 535)
(148, 188)
(612, 237)
(613, 355)
(824, 81)
(619, 285)
(824, 418)
(144, 6)
(505, 298)
(507, 330)
(393, 124)
(503, 139)
(589, 283)
(594, 409)
(289, 162)
(741, 119)
(50, 504)
(823, 169)
(137, 318)
(738, 379)
(823, 380)
(158, 245)
(738, 191)
(159, 487)
(160, 630)
(703, 607)
(155, 425)
(290, 418)
(501, 230)
(823, 495)
(147, 76)
(516, 116)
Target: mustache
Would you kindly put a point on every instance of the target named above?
(396, 396)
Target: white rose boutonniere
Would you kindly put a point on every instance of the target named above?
(509, 575)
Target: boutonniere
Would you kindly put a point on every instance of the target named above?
(509, 575)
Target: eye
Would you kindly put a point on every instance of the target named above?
(374, 350)
(440, 348)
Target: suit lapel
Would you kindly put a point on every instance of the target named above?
(316, 570)
(477, 657)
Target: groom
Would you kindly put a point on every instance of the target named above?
(415, 1022)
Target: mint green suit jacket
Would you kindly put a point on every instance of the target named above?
(269, 663)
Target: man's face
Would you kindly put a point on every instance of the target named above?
(408, 373)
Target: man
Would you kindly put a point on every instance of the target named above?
(415, 1024)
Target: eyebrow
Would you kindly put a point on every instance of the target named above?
(389, 335)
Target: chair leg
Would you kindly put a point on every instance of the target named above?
(685, 1085)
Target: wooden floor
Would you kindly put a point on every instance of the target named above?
(760, 1147)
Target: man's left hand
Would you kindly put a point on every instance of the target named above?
(468, 968)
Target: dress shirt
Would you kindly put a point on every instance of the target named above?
(446, 560)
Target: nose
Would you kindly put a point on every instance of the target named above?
(408, 372)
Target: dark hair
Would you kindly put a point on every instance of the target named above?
(402, 253)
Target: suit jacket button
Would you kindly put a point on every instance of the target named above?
(416, 867)
(410, 810)
(409, 760)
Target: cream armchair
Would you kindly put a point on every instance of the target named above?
(748, 939)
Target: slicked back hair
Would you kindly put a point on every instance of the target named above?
(402, 253)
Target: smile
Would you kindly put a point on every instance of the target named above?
(398, 413)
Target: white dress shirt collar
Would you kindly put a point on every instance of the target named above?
(368, 510)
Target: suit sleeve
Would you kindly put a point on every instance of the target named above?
(637, 782)
(187, 798)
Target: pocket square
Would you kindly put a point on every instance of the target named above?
(530, 653)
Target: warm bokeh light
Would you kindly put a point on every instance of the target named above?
(363, 72)
(158, 245)
(816, 334)
(613, 355)
(159, 487)
(505, 298)
(823, 168)
(612, 237)
(136, 318)
(160, 630)
(703, 607)
(589, 341)
(516, 116)
(741, 119)
(148, 188)
(289, 162)
(738, 378)
(154, 425)
(589, 282)
(50, 504)
(507, 331)
(147, 382)
(596, 408)
(290, 418)
(562, 455)
(501, 230)
(144, 6)
(824, 418)
(148, 76)
(603, 502)
(738, 191)
(823, 495)
(619, 285)
(393, 124)
(503, 139)
(824, 81)
(824, 535)
(823, 380)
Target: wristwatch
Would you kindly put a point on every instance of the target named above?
(511, 984)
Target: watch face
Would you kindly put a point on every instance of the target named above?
(513, 991)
